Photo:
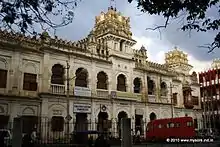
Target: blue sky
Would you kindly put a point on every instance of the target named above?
(155, 43)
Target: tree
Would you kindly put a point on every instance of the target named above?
(194, 11)
(26, 14)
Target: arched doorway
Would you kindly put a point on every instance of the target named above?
(102, 121)
(81, 126)
(121, 115)
(153, 116)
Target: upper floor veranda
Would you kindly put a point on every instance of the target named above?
(28, 73)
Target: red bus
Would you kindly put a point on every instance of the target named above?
(161, 129)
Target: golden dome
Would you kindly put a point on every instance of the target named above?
(176, 56)
(112, 22)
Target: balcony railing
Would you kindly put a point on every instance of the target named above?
(152, 99)
(102, 93)
(57, 89)
(164, 99)
(128, 96)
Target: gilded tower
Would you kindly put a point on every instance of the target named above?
(113, 29)
(178, 60)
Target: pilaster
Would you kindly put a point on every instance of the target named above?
(46, 73)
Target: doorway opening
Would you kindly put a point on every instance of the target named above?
(121, 115)
(81, 126)
(138, 123)
(102, 121)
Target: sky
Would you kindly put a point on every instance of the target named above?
(157, 44)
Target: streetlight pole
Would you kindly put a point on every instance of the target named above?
(68, 98)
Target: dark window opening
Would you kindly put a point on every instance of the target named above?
(81, 77)
(102, 80)
(57, 123)
(3, 78)
(121, 45)
(151, 87)
(137, 85)
(175, 98)
(163, 88)
(57, 74)
(121, 83)
(30, 82)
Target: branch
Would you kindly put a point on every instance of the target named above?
(158, 27)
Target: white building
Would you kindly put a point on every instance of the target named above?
(108, 77)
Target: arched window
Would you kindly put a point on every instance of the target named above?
(163, 89)
(137, 85)
(57, 74)
(81, 77)
(153, 116)
(121, 83)
(151, 87)
(102, 80)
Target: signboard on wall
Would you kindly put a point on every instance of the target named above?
(82, 108)
(82, 91)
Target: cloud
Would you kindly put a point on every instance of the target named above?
(157, 44)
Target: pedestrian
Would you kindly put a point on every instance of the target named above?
(33, 137)
(138, 136)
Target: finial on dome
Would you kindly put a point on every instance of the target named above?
(112, 5)
(143, 48)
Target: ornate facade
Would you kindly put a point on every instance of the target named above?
(108, 79)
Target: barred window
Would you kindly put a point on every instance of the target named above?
(30, 82)
(57, 123)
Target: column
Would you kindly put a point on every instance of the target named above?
(132, 112)
(45, 118)
(93, 117)
(15, 81)
(46, 73)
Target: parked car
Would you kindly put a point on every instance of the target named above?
(7, 137)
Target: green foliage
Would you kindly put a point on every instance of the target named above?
(195, 12)
(24, 14)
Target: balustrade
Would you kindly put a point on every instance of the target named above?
(57, 89)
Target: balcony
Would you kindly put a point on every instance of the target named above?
(102, 93)
(152, 99)
(128, 96)
(164, 99)
(57, 89)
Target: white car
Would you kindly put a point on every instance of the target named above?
(7, 137)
